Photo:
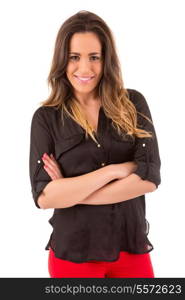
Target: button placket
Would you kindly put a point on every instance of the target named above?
(100, 137)
(101, 155)
(103, 163)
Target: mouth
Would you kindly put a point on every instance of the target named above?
(84, 79)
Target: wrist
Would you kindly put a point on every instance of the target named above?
(112, 172)
(130, 167)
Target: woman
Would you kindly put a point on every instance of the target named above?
(93, 157)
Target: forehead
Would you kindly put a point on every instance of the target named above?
(85, 42)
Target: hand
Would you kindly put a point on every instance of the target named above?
(123, 170)
(51, 166)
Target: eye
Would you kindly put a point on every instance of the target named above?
(73, 57)
(76, 57)
(95, 57)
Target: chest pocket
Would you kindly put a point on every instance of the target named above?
(69, 155)
(122, 147)
(67, 144)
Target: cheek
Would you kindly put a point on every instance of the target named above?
(99, 69)
(70, 69)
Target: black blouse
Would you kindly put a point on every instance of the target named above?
(94, 232)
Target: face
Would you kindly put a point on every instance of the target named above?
(84, 69)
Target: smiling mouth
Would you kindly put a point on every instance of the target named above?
(84, 79)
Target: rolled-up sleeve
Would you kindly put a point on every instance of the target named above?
(40, 142)
(146, 153)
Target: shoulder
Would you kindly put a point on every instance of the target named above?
(43, 112)
(138, 99)
(42, 117)
(140, 102)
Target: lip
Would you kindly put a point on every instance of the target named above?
(84, 80)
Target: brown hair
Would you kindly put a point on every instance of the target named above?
(114, 97)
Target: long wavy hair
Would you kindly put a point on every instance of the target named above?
(110, 89)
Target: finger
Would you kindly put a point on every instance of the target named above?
(52, 160)
(53, 165)
(56, 164)
(50, 173)
(52, 157)
(52, 170)
(48, 159)
(50, 163)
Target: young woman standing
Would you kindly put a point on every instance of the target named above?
(93, 157)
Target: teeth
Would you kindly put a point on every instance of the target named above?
(84, 79)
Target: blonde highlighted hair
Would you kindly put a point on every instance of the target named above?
(110, 89)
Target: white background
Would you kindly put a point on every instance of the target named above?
(150, 43)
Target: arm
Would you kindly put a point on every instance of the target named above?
(62, 192)
(66, 192)
(120, 190)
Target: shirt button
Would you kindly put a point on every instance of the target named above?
(143, 145)
(39, 161)
(102, 164)
(98, 145)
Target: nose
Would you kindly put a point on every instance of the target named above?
(84, 66)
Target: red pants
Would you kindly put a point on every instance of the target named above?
(128, 265)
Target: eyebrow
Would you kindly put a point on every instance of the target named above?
(76, 53)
